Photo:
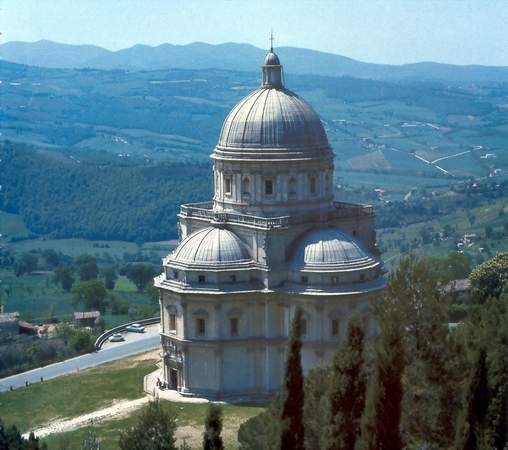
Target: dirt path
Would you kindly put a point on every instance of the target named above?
(119, 409)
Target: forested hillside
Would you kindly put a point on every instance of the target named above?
(60, 195)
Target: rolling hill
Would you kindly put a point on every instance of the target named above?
(240, 57)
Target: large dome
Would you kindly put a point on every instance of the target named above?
(273, 118)
(211, 246)
(273, 123)
(329, 248)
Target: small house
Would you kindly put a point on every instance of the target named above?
(86, 318)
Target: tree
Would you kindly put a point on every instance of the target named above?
(489, 278)
(452, 267)
(91, 294)
(154, 430)
(81, 341)
(262, 431)
(91, 442)
(64, 277)
(431, 367)
(380, 427)
(140, 274)
(87, 267)
(153, 293)
(472, 421)
(109, 275)
(292, 429)
(316, 389)
(26, 264)
(346, 394)
(11, 439)
(488, 329)
(51, 257)
(213, 427)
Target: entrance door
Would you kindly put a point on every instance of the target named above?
(173, 379)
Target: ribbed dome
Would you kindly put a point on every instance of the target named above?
(211, 246)
(324, 248)
(273, 118)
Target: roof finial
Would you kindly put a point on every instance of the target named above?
(271, 41)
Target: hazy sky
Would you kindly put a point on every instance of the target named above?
(384, 31)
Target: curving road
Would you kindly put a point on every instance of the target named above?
(134, 343)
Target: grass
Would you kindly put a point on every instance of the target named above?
(76, 247)
(12, 225)
(94, 389)
(190, 420)
(485, 215)
(76, 394)
(32, 296)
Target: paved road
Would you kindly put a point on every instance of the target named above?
(134, 343)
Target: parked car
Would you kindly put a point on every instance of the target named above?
(136, 328)
(117, 337)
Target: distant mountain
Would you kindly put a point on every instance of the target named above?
(50, 54)
(232, 56)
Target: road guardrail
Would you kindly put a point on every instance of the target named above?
(105, 336)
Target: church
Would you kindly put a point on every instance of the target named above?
(273, 238)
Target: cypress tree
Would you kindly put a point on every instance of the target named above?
(380, 425)
(499, 416)
(470, 427)
(292, 429)
(213, 427)
(346, 396)
(154, 430)
(91, 442)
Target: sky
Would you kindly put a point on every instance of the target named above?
(381, 31)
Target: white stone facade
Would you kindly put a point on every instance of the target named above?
(271, 239)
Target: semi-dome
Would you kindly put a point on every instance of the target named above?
(211, 246)
(331, 249)
(273, 122)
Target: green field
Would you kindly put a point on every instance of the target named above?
(32, 296)
(73, 395)
(481, 217)
(76, 247)
(12, 225)
(190, 419)
(97, 388)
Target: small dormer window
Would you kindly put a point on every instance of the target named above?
(175, 274)
(232, 278)
(312, 185)
(335, 327)
(172, 322)
(201, 279)
(200, 326)
(227, 185)
(292, 187)
(304, 327)
(305, 279)
(269, 187)
(233, 326)
(245, 188)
